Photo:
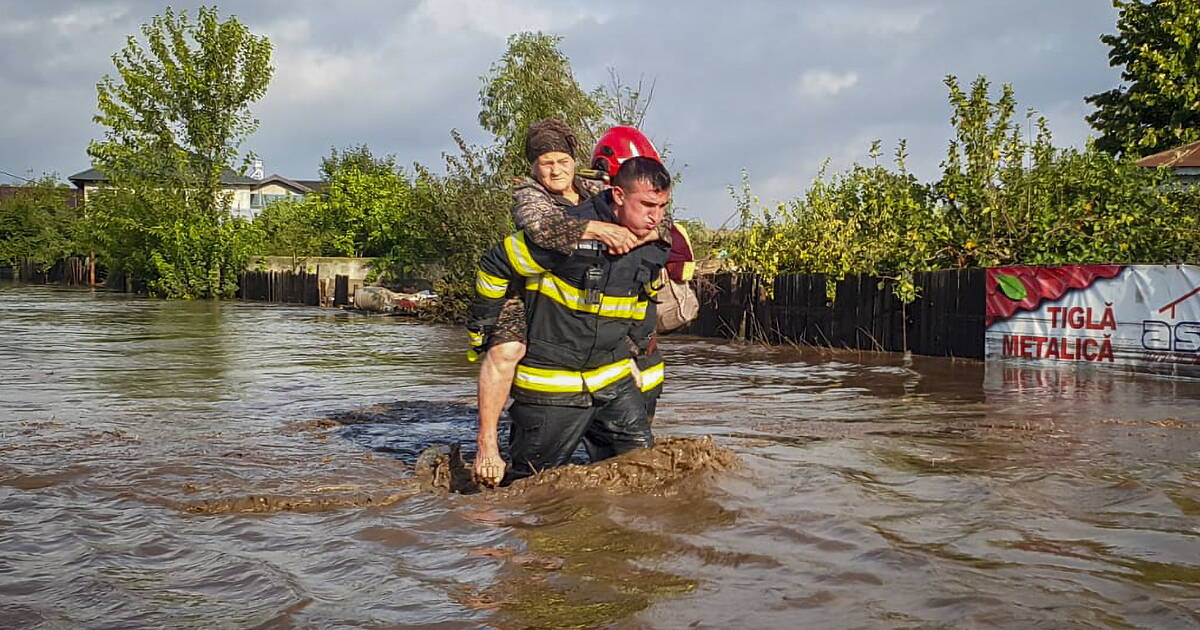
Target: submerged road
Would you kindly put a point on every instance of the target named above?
(238, 465)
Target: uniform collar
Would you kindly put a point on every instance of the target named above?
(604, 208)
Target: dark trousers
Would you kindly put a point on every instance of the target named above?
(545, 436)
(651, 400)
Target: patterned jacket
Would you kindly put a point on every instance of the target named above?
(542, 215)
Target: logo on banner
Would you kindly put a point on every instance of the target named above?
(1170, 336)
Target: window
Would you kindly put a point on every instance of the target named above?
(262, 200)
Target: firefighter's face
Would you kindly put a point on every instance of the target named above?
(641, 208)
(556, 171)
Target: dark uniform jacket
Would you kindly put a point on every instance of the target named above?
(581, 310)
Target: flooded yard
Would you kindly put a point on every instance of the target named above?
(236, 465)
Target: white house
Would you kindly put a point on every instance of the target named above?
(1184, 162)
(250, 195)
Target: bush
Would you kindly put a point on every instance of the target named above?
(39, 225)
(1003, 199)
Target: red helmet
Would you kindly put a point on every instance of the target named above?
(619, 144)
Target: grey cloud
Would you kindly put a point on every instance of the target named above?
(772, 87)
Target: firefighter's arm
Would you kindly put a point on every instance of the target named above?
(510, 262)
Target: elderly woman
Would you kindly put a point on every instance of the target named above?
(539, 204)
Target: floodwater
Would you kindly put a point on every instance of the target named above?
(235, 465)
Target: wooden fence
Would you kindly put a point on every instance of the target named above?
(947, 319)
(281, 286)
(72, 271)
(300, 287)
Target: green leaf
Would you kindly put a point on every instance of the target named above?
(1012, 287)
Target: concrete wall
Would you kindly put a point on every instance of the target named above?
(355, 268)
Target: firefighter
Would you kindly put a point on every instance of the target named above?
(588, 316)
(616, 146)
(539, 208)
(540, 201)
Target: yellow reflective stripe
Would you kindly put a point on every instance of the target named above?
(473, 353)
(571, 382)
(562, 292)
(689, 270)
(488, 285)
(602, 377)
(628, 310)
(652, 377)
(689, 266)
(556, 381)
(654, 286)
(519, 256)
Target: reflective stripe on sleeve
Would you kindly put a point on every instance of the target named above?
(477, 339)
(488, 285)
(652, 377)
(519, 256)
(689, 270)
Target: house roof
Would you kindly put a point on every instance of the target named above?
(299, 185)
(1185, 156)
(229, 177)
(312, 184)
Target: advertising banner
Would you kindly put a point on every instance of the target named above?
(1140, 317)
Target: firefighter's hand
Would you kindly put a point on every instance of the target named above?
(617, 238)
(489, 467)
(637, 376)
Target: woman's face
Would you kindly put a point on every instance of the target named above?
(555, 171)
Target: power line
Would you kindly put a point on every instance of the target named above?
(15, 175)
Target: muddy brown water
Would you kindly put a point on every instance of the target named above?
(234, 465)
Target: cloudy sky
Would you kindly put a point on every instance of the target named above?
(774, 88)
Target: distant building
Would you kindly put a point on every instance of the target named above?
(250, 195)
(1184, 161)
(72, 197)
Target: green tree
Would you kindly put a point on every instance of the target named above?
(292, 227)
(366, 206)
(531, 81)
(1158, 105)
(38, 224)
(462, 214)
(175, 116)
